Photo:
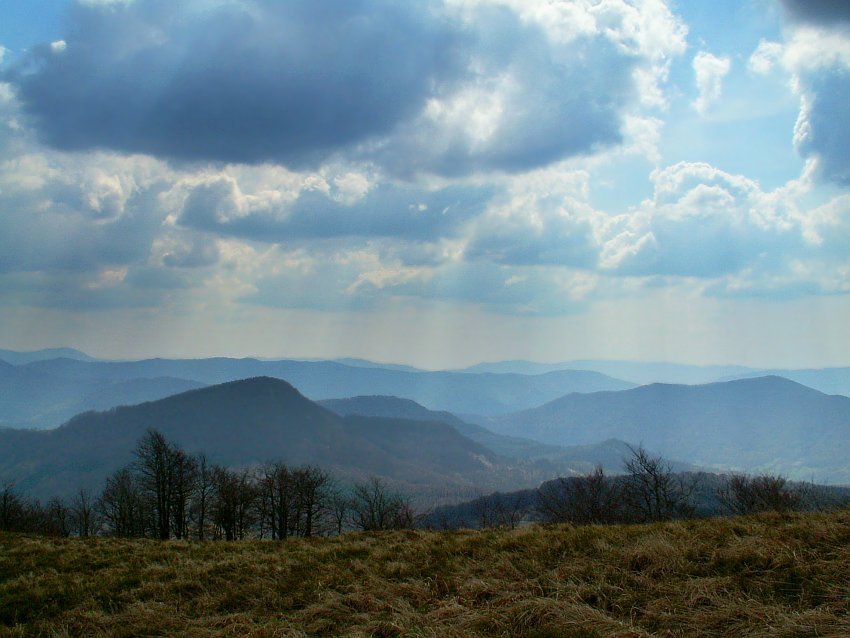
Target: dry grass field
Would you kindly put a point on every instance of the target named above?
(761, 576)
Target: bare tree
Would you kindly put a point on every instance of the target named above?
(312, 488)
(375, 507)
(293, 501)
(153, 463)
(744, 494)
(277, 495)
(500, 510)
(184, 479)
(339, 508)
(11, 508)
(652, 491)
(511, 509)
(84, 519)
(589, 499)
(203, 494)
(123, 506)
(234, 496)
(484, 511)
(59, 517)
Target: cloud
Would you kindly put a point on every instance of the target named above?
(219, 205)
(827, 228)
(248, 81)
(765, 57)
(816, 53)
(442, 87)
(477, 184)
(702, 222)
(709, 71)
(817, 12)
(360, 279)
(823, 126)
(198, 252)
(543, 218)
(60, 214)
(820, 63)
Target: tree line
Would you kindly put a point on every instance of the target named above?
(167, 493)
(648, 490)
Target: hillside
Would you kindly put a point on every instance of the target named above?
(452, 391)
(761, 576)
(548, 459)
(238, 424)
(394, 407)
(768, 423)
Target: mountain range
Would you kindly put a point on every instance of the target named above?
(16, 357)
(244, 423)
(765, 424)
(637, 372)
(827, 380)
(45, 393)
(493, 428)
(32, 398)
(249, 422)
(554, 458)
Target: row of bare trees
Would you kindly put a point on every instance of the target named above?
(57, 517)
(650, 490)
(166, 493)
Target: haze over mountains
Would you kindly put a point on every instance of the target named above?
(608, 453)
(637, 372)
(253, 421)
(92, 382)
(501, 425)
(17, 358)
(766, 423)
(827, 380)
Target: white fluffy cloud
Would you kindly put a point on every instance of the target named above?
(765, 57)
(709, 71)
(702, 222)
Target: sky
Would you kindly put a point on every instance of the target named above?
(435, 183)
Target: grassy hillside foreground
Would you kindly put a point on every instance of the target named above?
(765, 576)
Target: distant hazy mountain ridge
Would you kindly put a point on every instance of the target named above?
(18, 358)
(45, 393)
(767, 423)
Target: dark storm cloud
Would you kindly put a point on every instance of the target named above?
(386, 211)
(560, 101)
(822, 12)
(299, 82)
(828, 122)
(822, 70)
(48, 230)
(247, 82)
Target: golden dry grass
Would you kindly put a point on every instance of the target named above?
(763, 576)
